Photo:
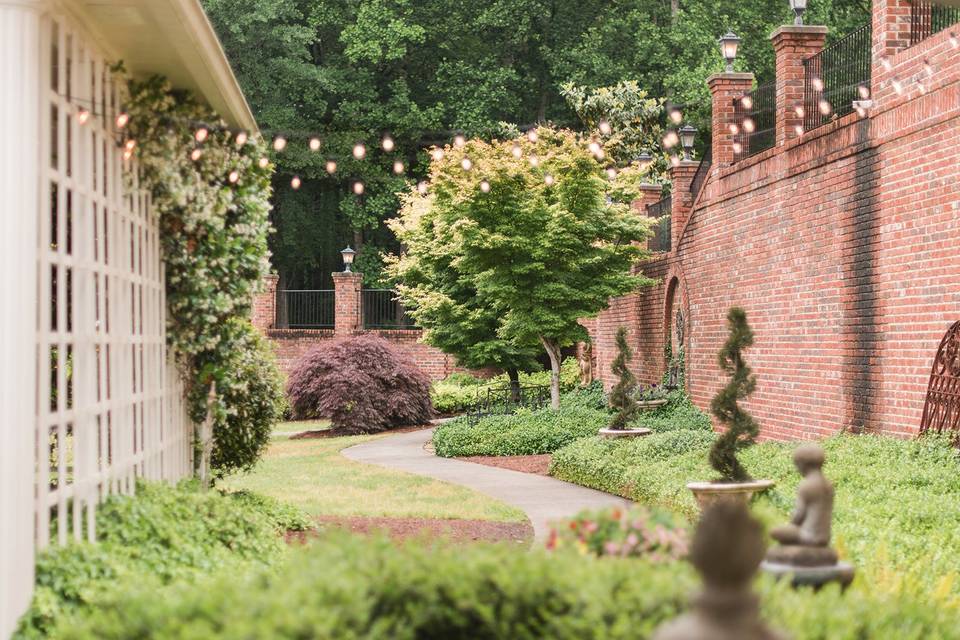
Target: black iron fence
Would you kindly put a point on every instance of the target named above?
(703, 170)
(305, 309)
(382, 310)
(835, 77)
(755, 115)
(928, 18)
(661, 231)
(506, 400)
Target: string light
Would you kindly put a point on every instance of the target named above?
(747, 102)
(459, 141)
(201, 134)
(331, 167)
(358, 187)
(534, 160)
(517, 151)
(886, 64)
(548, 180)
(195, 154)
(387, 144)
(748, 125)
(798, 129)
(734, 129)
(594, 147)
(485, 186)
(611, 172)
(817, 84)
(922, 88)
(127, 154)
(359, 151)
(670, 139)
(422, 188)
(897, 86)
(398, 167)
(824, 106)
(295, 182)
(737, 147)
(604, 127)
(314, 144)
(122, 119)
(676, 116)
(263, 162)
(800, 111)
(863, 91)
(674, 159)
(437, 154)
(130, 144)
(954, 40)
(467, 164)
(279, 143)
(233, 177)
(241, 138)
(82, 116)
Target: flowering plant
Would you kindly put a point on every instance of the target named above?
(653, 392)
(654, 534)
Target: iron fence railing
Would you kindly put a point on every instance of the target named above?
(305, 309)
(928, 18)
(835, 77)
(755, 115)
(661, 231)
(382, 310)
(506, 400)
(703, 170)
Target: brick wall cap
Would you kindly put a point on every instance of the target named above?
(649, 186)
(352, 275)
(687, 164)
(735, 77)
(808, 30)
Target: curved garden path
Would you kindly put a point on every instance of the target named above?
(543, 499)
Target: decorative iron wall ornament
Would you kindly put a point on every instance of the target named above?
(941, 412)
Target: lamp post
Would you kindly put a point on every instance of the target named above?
(728, 47)
(798, 6)
(687, 136)
(347, 254)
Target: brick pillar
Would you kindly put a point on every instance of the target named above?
(264, 312)
(682, 200)
(649, 194)
(891, 33)
(792, 45)
(724, 87)
(346, 287)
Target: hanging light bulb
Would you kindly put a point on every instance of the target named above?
(387, 144)
(800, 111)
(611, 172)
(130, 144)
(195, 154)
(422, 188)
(122, 119)
(279, 143)
(897, 86)
(954, 40)
(863, 91)
(459, 141)
(817, 84)
(532, 135)
(534, 160)
(737, 147)
(331, 166)
(359, 151)
(437, 154)
(241, 138)
(675, 160)
(548, 180)
(594, 147)
(201, 134)
(485, 186)
(398, 167)
(295, 182)
(263, 162)
(358, 187)
(798, 129)
(886, 64)
(82, 116)
(517, 151)
(671, 139)
(747, 102)
(127, 154)
(676, 116)
(604, 127)
(734, 129)
(824, 106)
(601, 154)
(234, 176)
(314, 144)
(748, 125)
(466, 164)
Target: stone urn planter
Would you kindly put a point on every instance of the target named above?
(646, 405)
(708, 492)
(624, 433)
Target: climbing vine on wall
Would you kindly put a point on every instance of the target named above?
(213, 212)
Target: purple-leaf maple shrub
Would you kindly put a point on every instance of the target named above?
(362, 383)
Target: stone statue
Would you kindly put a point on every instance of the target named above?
(727, 548)
(804, 550)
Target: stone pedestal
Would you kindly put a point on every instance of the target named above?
(812, 576)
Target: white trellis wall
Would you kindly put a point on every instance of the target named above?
(106, 404)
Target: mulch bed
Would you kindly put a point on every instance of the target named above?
(336, 433)
(400, 529)
(527, 464)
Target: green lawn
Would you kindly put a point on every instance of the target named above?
(301, 425)
(313, 475)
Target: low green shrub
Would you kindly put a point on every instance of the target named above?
(655, 534)
(679, 413)
(521, 433)
(161, 535)
(350, 588)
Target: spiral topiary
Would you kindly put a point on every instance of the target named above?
(621, 396)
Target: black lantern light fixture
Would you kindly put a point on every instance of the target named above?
(798, 6)
(347, 254)
(687, 135)
(728, 47)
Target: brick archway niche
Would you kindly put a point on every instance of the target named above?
(676, 316)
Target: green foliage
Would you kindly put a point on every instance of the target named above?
(678, 413)
(655, 534)
(621, 398)
(741, 428)
(541, 256)
(163, 534)
(522, 433)
(352, 587)
(214, 240)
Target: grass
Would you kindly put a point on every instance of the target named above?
(285, 428)
(312, 475)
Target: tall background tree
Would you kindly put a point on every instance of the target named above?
(350, 70)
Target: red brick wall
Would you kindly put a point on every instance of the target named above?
(842, 246)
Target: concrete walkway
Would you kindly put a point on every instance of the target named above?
(543, 499)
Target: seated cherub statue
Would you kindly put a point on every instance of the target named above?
(810, 524)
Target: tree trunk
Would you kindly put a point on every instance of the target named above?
(514, 376)
(553, 350)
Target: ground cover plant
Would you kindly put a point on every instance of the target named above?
(895, 513)
(161, 535)
(655, 534)
(351, 588)
(362, 383)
